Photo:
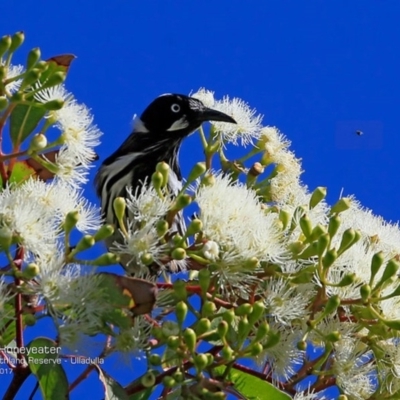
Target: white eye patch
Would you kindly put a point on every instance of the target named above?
(179, 124)
(175, 108)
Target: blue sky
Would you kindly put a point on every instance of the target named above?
(318, 70)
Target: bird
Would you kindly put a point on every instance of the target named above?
(157, 136)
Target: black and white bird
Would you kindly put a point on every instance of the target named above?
(157, 136)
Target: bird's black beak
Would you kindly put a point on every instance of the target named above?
(209, 114)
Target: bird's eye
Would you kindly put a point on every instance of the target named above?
(175, 108)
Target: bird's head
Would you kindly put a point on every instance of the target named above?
(178, 114)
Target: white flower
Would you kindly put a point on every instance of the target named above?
(139, 243)
(210, 250)
(13, 71)
(233, 218)
(273, 140)
(135, 338)
(248, 124)
(205, 96)
(58, 92)
(147, 205)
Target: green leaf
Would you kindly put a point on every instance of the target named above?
(46, 366)
(112, 389)
(23, 120)
(252, 387)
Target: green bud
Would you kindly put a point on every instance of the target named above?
(31, 271)
(181, 202)
(38, 142)
(29, 319)
(391, 270)
(169, 381)
(347, 280)
(284, 217)
(273, 340)
(323, 242)
(203, 326)
(243, 309)
(198, 170)
(181, 311)
(393, 324)
(5, 43)
(119, 206)
(365, 292)
(148, 379)
(229, 316)
(332, 304)
(178, 376)
(157, 333)
(317, 196)
(302, 345)
(180, 292)
(256, 349)
(194, 227)
(55, 79)
(262, 331)
(305, 225)
(296, 247)
(33, 58)
(222, 329)
(54, 105)
(3, 102)
(208, 180)
(104, 232)
(376, 263)
(42, 65)
(30, 77)
(106, 259)
(178, 254)
(147, 258)
(162, 227)
(71, 220)
(310, 251)
(227, 353)
(163, 168)
(342, 397)
(334, 224)
(204, 277)
(347, 240)
(157, 180)
(329, 258)
(200, 361)
(6, 237)
(342, 205)
(208, 309)
(251, 263)
(257, 312)
(85, 243)
(244, 328)
(190, 339)
(210, 358)
(318, 231)
(333, 337)
(173, 342)
(311, 323)
(16, 40)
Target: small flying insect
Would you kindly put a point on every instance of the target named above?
(359, 133)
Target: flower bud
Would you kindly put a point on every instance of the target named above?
(33, 58)
(54, 105)
(190, 339)
(222, 329)
(178, 253)
(305, 225)
(208, 180)
(162, 227)
(104, 232)
(347, 240)
(347, 280)
(70, 222)
(181, 311)
(180, 292)
(147, 259)
(31, 271)
(194, 227)
(178, 376)
(6, 237)
(208, 309)
(273, 340)
(157, 180)
(163, 168)
(318, 231)
(106, 259)
(332, 304)
(342, 205)
(31, 77)
(203, 326)
(302, 345)
(227, 353)
(148, 379)
(255, 349)
(204, 280)
(365, 292)
(181, 202)
(198, 170)
(29, 319)
(257, 312)
(284, 217)
(173, 342)
(376, 263)
(85, 243)
(391, 270)
(5, 43)
(16, 40)
(119, 206)
(262, 331)
(323, 242)
(57, 78)
(310, 251)
(38, 142)
(329, 258)
(243, 309)
(334, 224)
(317, 196)
(333, 337)
(200, 361)
(169, 382)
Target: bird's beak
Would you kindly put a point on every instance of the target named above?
(213, 115)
